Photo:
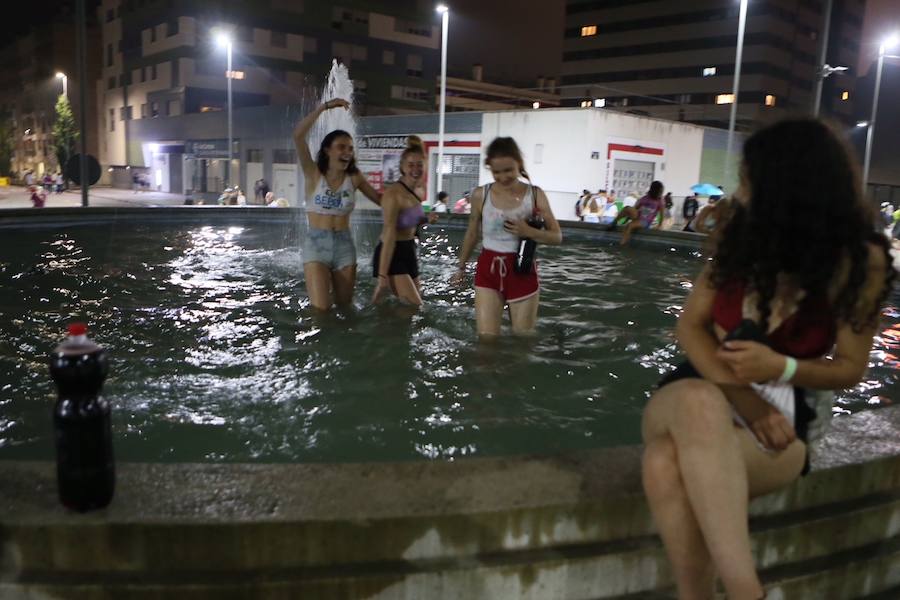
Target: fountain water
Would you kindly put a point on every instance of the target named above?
(338, 85)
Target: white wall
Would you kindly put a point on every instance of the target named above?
(563, 166)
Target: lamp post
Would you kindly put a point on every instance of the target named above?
(742, 25)
(224, 41)
(65, 80)
(445, 18)
(870, 134)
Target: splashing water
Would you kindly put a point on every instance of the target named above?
(338, 85)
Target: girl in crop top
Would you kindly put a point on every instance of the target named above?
(395, 264)
(332, 179)
(500, 210)
(788, 304)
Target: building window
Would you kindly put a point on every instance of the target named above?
(412, 28)
(234, 74)
(144, 110)
(585, 104)
(153, 72)
(845, 95)
(599, 102)
(143, 74)
(153, 34)
(770, 100)
(709, 71)
(125, 113)
(154, 109)
(387, 57)
(414, 65)
(588, 30)
(112, 119)
(254, 155)
(359, 53)
(725, 99)
(175, 73)
(278, 39)
(409, 93)
(109, 55)
(684, 99)
(174, 108)
(172, 28)
(284, 157)
(111, 83)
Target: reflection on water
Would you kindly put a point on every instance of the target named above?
(217, 357)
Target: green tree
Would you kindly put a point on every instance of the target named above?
(65, 133)
(7, 145)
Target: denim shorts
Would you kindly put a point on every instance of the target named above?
(334, 249)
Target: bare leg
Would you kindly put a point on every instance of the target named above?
(719, 465)
(523, 314)
(488, 311)
(629, 230)
(344, 281)
(692, 566)
(318, 285)
(406, 289)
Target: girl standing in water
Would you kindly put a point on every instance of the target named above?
(329, 254)
(499, 211)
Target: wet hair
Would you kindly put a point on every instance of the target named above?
(656, 190)
(414, 147)
(322, 156)
(805, 218)
(506, 147)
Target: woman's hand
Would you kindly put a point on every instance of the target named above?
(458, 278)
(432, 218)
(335, 103)
(519, 227)
(773, 430)
(382, 289)
(751, 361)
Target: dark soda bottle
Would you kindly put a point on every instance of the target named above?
(528, 247)
(85, 472)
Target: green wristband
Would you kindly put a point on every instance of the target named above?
(790, 369)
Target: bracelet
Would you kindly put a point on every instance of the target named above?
(790, 369)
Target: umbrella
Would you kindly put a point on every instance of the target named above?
(706, 189)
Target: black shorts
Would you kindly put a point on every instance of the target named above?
(803, 413)
(403, 262)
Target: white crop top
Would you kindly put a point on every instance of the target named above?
(494, 236)
(338, 203)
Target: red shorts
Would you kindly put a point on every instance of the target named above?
(496, 271)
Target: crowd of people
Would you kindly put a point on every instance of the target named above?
(762, 326)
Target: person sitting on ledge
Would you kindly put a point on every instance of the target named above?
(789, 302)
(643, 214)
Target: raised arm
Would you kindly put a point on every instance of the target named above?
(307, 163)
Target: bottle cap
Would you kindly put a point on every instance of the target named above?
(77, 329)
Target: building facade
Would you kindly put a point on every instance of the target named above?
(676, 60)
(159, 59)
(29, 88)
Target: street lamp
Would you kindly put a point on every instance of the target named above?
(65, 80)
(445, 21)
(742, 25)
(224, 41)
(888, 43)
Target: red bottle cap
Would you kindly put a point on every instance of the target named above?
(77, 329)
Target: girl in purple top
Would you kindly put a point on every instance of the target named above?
(643, 214)
(395, 263)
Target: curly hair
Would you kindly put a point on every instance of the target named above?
(805, 218)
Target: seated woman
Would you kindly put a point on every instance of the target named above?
(789, 302)
(642, 214)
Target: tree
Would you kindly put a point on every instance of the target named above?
(7, 145)
(65, 134)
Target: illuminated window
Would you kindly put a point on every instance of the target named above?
(709, 71)
(845, 95)
(725, 99)
(588, 30)
(599, 102)
(770, 100)
(234, 74)
(585, 104)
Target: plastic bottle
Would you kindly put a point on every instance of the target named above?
(81, 421)
(528, 247)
